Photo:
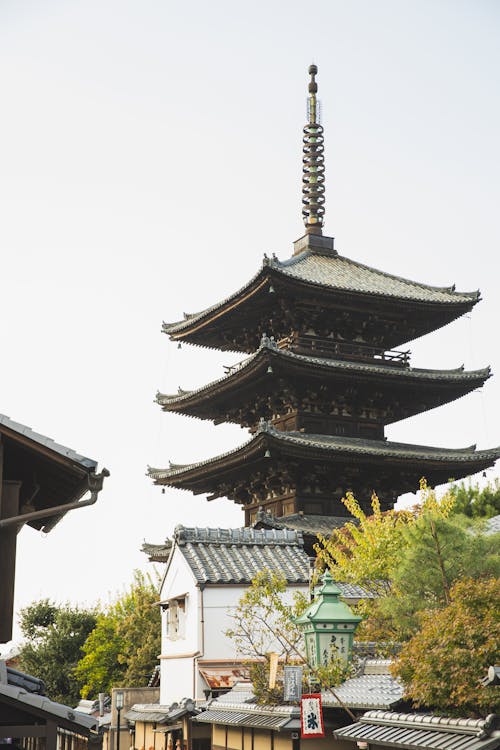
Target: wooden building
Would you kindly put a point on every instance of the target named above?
(40, 481)
(324, 376)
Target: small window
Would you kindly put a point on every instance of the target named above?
(176, 618)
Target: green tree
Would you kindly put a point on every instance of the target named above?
(264, 622)
(436, 552)
(54, 639)
(124, 646)
(442, 664)
(476, 502)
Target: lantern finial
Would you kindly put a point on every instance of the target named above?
(313, 166)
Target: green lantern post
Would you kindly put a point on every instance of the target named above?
(328, 625)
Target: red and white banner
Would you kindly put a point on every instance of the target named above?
(311, 716)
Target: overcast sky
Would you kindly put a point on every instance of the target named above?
(150, 153)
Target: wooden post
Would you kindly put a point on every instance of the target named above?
(9, 506)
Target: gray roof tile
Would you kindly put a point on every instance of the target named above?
(343, 445)
(54, 710)
(46, 442)
(237, 555)
(396, 374)
(367, 691)
(421, 732)
(333, 271)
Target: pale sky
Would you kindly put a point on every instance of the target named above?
(150, 153)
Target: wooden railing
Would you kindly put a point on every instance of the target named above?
(322, 347)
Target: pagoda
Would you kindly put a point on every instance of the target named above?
(324, 376)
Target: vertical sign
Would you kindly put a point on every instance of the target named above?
(311, 716)
(273, 669)
(292, 684)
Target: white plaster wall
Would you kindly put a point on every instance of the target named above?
(180, 676)
(176, 674)
(219, 603)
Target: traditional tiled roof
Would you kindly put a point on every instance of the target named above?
(236, 555)
(339, 445)
(376, 688)
(331, 367)
(16, 429)
(66, 717)
(422, 732)
(157, 552)
(334, 272)
(161, 714)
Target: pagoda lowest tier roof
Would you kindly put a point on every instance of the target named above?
(316, 271)
(269, 446)
(208, 402)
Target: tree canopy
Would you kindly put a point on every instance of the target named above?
(476, 502)
(81, 652)
(54, 639)
(419, 564)
(123, 647)
(443, 663)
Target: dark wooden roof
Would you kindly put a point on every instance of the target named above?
(412, 387)
(268, 445)
(311, 275)
(56, 474)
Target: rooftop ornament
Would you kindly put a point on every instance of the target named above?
(313, 167)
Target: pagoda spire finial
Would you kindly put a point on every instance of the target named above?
(313, 167)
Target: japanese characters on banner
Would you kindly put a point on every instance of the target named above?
(292, 684)
(311, 716)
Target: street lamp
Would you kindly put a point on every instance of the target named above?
(119, 706)
(328, 625)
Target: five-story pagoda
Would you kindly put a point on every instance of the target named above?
(324, 376)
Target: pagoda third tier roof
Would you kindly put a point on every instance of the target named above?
(331, 453)
(408, 390)
(313, 276)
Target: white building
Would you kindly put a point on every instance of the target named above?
(207, 572)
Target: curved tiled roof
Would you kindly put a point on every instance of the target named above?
(398, 374)
(237, 555)
(336, 272)
(342, 445)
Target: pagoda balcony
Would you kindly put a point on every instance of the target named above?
(316, 346)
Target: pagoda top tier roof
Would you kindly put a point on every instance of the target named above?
(316, 266)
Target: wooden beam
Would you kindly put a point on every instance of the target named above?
(23, 730)
(9, 506)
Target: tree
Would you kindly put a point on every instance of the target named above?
(476, 502)
(436, 552)
(264, 622)
(365, 552)
(124, 646)
(442, 664)
(54, 639)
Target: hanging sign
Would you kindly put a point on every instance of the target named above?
(311, 716)
(273, 669)
(292, 684)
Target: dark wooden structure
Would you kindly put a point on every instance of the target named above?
(327, 372)
(40, 481)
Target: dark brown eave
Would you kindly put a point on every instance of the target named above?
(251, 378)
(253, 303)
(268, 446)
(52, 475)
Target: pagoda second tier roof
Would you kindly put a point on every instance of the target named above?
(203, 402)
(327, 271)
(436, 464)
